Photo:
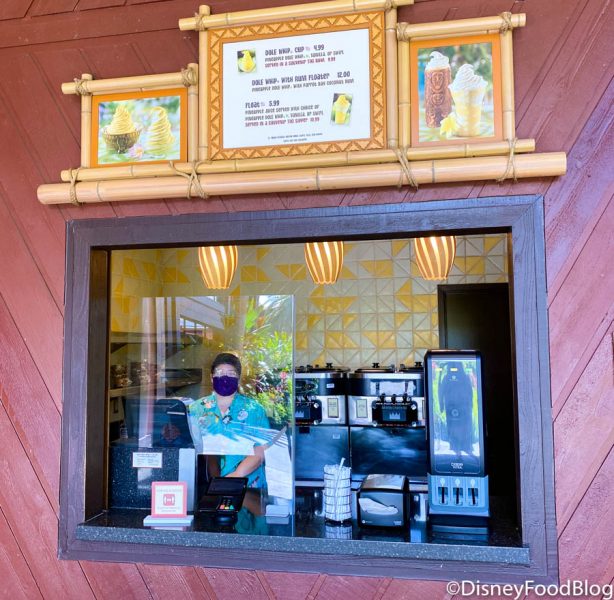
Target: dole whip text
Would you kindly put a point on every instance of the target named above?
(467, 91)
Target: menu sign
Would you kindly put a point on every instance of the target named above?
(320, 90)
(290, 90)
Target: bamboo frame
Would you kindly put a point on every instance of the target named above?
(462, 159)
(403, 83)
(443, 29)
(86, 122)
(367, 157)
(507, 86)
(288, 13)
(392, 122)
(449, 33)
(309, 179)
(87, 88)
(374, 22)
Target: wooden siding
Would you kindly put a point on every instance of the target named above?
(564, 97)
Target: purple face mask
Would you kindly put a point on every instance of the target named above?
(225, 386)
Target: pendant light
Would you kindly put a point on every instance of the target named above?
(324, 261)
(435, 256)
(218, 265)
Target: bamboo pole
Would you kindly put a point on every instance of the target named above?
(203, 86)
(392, 122)
(331, 178)
(507, 86)
(288, 13)
(193, 124)
(126, 84)
(337, 159)
(404, 94)
(480, 25)
(86, 123)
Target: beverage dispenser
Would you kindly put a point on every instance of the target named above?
(458, 484)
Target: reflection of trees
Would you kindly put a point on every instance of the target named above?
(267, 356)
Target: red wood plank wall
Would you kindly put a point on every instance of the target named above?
(564, 98)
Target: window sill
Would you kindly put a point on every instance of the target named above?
(126, 526)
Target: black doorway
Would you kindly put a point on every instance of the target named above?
(477, 317)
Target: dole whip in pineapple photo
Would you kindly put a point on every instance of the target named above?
(160, 139)
(122, 133)
(467, 91)
(437, 98)
(341, 106)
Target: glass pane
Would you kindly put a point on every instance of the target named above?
(172, 417)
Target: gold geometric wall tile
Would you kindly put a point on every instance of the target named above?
(347, 273)
(378, 268)
(380, 309)
(398, 246)
(406, 302)
(151, 271)
(130, 269)
(300, 340)
(313, 320)
(261, 252)
(400, 319)
(474, 265)
(381, 339)
(348, 319)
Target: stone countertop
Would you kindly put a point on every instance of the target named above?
(308, 532)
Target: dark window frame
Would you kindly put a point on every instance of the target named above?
(82, 481)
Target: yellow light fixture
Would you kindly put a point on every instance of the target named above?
(324, 261)
(218, 265)
(435, 256)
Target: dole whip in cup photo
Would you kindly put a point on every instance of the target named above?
(437, 98)
(122, 133)
(467, 91)
(341, 107)
(160, 140)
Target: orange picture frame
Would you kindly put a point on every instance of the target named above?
(449, 105)
(139, 127)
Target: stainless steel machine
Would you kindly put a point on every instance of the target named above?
(387, 422)
(320, 414)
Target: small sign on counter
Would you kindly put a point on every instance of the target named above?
(147, 460)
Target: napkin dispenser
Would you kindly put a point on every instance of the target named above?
(383, 501)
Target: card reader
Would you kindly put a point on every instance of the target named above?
(224, 498)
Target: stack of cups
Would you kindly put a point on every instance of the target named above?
(337, 493)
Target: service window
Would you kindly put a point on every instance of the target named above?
(383, 415)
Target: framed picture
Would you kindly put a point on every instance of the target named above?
(139, 127)
(456, 90)
(297, 87)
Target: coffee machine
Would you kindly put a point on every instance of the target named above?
(387, 422)
(320, 414)
(457, 480)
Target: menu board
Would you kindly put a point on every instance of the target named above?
(296, 89)
(315, 86)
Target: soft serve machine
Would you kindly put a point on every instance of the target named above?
(320, 414)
